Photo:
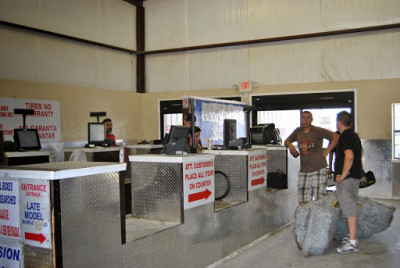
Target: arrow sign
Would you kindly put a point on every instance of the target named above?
(200, 195)
(35, 237)
(257, 181)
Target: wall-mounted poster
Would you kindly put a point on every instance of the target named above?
(46, 118)
(210, 115)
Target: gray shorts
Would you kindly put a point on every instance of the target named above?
(347, 195)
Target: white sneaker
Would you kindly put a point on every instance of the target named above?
(348, 247)
(344, 240)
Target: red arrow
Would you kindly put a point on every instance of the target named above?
(200, 195)
(257, 181)
(35, 237)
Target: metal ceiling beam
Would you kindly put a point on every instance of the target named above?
(138, 3)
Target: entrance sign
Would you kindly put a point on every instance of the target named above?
(9, 209)
(198, 181)
(35, 212)
(46, 118)
(257, 170)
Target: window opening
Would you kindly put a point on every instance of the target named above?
(396, 131)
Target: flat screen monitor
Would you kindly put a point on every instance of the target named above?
(178, 133)
(27, 139)
(96, 133)
(229, 130)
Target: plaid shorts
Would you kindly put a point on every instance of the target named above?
(312, 185)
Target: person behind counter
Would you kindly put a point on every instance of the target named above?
(197, 132)
(109, 125)
(187, 120)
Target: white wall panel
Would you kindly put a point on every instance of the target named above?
(233, 67)
(274, 18)
(298, 61)
(167, 72)
(115, 70)
(165, 24)
(365, 56)
(216, 21)
(20, 59)
(262, 18)
(116, 23)
(262, 64)
(179, 23)
(344, 14)
(286, 63)
(340, 58)
(112, 22)
(66, 62)
(38, 58)
(204, 69)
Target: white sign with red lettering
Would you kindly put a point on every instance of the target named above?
(35, 212)
(198, 176)
(9, 209)
(46, 118)
(257, 170)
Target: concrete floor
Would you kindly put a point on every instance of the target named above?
(280, 250)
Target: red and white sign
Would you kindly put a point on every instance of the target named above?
(35, 213)
(46, 118)
(9, 209)
(198, 183)
(257, 170)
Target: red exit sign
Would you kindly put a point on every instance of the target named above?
(245, 86)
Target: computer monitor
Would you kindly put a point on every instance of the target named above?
(96, 133)
(229, 130)
(265, 134)
(178, 133)
(27, 139)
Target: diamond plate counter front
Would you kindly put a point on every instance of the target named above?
(64, 208)
(175, 226)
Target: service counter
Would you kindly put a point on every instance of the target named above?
(58, 214)
(179, 192)
(71, 214)
(137, 149)
(246, 171)
(26, 158)
(96, 154)
(163, 185)
(276, 157)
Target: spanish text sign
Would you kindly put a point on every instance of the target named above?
(198, 183)
(46, 118)
(257, 170)
(35, 212)
(9, 209)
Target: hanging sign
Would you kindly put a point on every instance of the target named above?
(46, 118)
(257, 170)
(9, 209)
(35, 213)
(198, 183)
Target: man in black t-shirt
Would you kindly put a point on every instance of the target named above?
(347, 176)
